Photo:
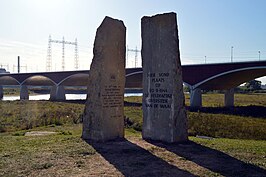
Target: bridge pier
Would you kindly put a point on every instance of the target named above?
(24, 94)
(60, 93)
(229, 98)
(1, 92)
(53, 93)
(57, 93)
(195, 98)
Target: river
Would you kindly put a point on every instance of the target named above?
(68, 96)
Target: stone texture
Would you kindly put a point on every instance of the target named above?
(104, 110)
(164, 114)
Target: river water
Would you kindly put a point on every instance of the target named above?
(68, 96)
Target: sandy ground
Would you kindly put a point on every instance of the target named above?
(39, 133)
(136, 157)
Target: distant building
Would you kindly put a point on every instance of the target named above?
(3, 71)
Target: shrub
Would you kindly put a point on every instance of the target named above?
(227, 126)
(2, 128)
(65, 133)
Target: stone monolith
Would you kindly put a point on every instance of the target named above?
(164, 114)
(104, 110)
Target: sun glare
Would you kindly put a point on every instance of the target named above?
(45, 4)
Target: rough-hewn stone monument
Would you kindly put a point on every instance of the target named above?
(104, 110)
(164, 114)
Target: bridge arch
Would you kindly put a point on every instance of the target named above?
(79, 79)
(38, 80)
(8, 80)
(231, 79)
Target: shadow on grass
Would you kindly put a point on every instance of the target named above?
(245, 111)
(212, 159)
(132, 104)
(132, 160)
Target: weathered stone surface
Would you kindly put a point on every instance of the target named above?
(164, 114)
(104, 111)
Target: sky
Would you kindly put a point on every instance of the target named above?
(208, 29)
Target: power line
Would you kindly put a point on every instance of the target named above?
(76, 62)
(63, 42)
(49, 55)
(136, 51)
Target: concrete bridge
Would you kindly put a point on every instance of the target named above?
(224, 76)
(57, 81)
(219, 76)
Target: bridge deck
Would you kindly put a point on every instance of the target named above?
(206, 76)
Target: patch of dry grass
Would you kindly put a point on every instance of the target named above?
(68, 155)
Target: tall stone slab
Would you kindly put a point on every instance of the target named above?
(104, 110)
(164, 114)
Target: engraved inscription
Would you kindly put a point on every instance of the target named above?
(158, 95)
(112, 96)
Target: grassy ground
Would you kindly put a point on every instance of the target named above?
(11, 91)
(15, 91)
(243, 121)
(21, 115)
(65, 154)
(217, 100)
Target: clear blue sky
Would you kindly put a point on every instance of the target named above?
(206, 28)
